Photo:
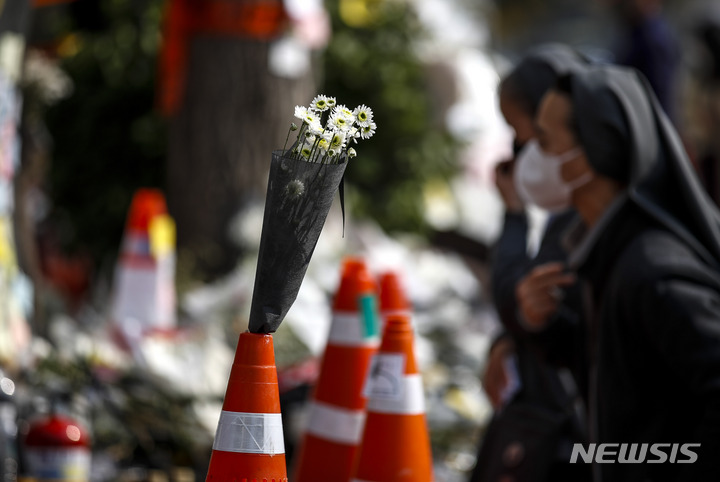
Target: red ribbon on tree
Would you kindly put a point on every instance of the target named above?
(256, 19)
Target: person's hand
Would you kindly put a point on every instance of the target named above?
(495, 379)
(506, 186)
(539, 293)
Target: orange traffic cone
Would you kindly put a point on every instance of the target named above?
(337, 409)
(144, 286)
(249, 442)
(392, 297)
(395, 444)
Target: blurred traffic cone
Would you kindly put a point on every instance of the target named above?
(393, 300)
(144, 288)
(395, 443)
(249, 443)
(337, 410)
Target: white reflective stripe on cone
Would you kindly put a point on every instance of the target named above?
(336, 424)
(410, 402)
(250, 433)
(347, 330)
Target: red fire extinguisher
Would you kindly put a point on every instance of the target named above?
(57, 448)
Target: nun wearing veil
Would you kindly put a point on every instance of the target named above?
(535, 395)
(649, 257)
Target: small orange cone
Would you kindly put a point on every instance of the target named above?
(396, 444)
(337, 409)
(249, 442)
(144, 285)
(393, 300)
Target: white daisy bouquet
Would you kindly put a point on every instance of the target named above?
(327, 130)
(302, 183)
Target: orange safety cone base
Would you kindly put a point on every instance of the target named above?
(402, 444)
(252, 389)
(396, 443)
(338, 460)
(262, 468)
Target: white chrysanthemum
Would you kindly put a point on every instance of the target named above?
(339, 122)
(331, 102)
(332, 152)
(309, 140)
(338, 140)
(345, 113)
(295, 189)
(363, 114)
(306, 151)
(351, 153)
(341, 109)
(366, 132)
(310, 118)
(301, 112)
(316, 128)
(320, 103)
(354, 134)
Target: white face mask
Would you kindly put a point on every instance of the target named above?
(538, 179)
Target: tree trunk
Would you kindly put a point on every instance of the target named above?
(233, 114)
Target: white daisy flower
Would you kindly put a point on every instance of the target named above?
(338, 121)
(338, 140)
(354, 134)
(318, 142)
(366, 132)
(363, 114)
(320, 103)
(300, 112)
(310, 118)
(344, 111)
(316, 128)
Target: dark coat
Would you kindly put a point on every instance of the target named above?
(544, 392)
(561, 344)
(656, 362)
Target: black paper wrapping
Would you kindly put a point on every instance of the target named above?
(299, 196)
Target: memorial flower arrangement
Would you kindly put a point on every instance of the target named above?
(327, 130)
(302, 183)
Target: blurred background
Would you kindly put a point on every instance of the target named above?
(178, 104)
